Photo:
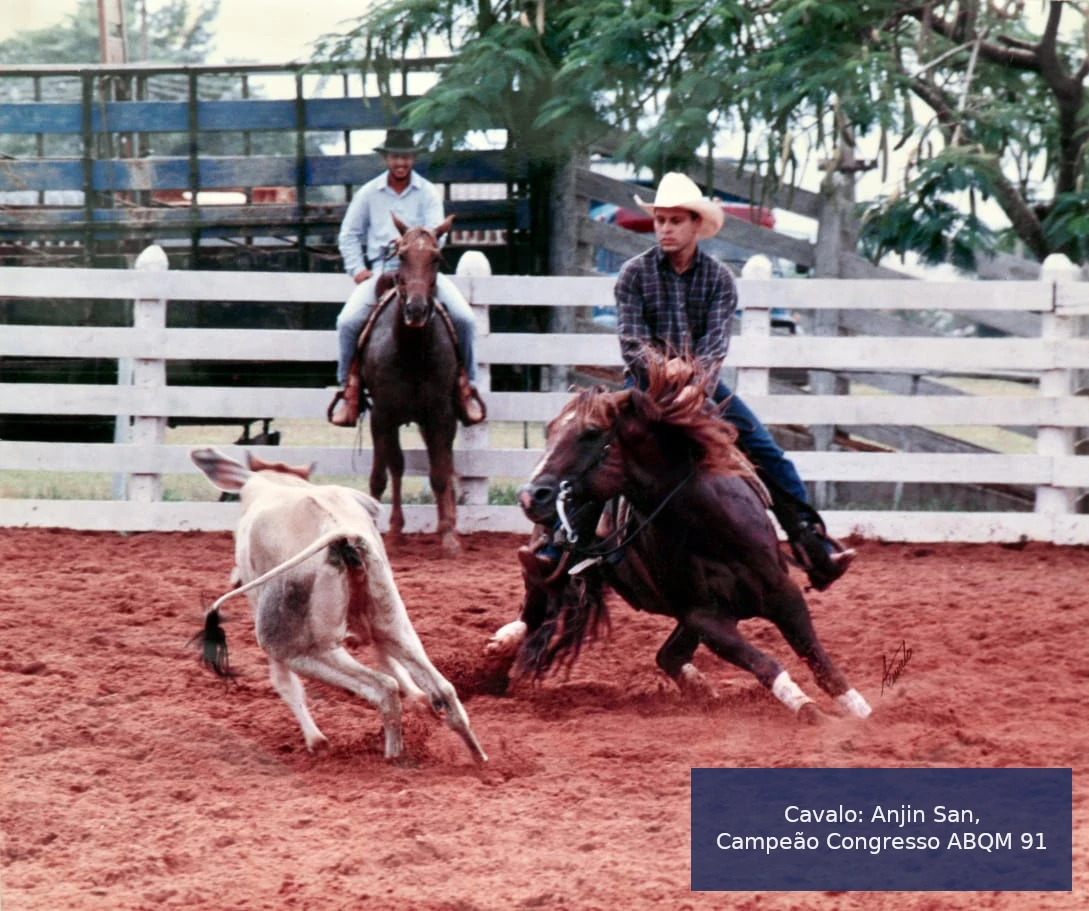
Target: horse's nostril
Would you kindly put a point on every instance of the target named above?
(542, 494)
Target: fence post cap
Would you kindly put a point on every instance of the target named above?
(152, 259)
(473, 264)
(758, 267)
(1058, 268)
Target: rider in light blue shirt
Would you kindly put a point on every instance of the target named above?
(366, 240)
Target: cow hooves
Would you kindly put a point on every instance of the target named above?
(315, 746)
(810, 714)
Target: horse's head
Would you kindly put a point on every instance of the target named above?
(581, 463)
(419, 253)
(604, 443)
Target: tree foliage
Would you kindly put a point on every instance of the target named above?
(179, 31)
(981, 100)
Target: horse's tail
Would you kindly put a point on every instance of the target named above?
(575, 613)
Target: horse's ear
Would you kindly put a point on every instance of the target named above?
(398, 224)
(444, 226)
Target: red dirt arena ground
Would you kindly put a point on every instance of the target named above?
(133, 779)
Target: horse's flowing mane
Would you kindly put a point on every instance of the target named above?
(675, 395)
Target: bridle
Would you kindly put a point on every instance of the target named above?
(616, 541)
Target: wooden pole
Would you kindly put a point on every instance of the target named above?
(567, 256)
(474, 264)
(149, 430)
(1056, 442)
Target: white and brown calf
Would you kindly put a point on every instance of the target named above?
(311, 562)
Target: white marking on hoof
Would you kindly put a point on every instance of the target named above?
(693, 683)
(853, 703)
(506, 640)
(787, 692)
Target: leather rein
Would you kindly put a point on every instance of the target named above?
(616, 541)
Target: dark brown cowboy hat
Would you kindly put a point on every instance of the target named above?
(399, 142)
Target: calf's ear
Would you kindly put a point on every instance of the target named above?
(223, 472)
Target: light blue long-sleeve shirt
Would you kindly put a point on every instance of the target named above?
(367, 226)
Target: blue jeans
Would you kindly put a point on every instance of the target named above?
(759, 445)
(354, 314)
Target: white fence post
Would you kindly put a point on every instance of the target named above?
(122, 427)
(149, 313)
(1056, 442)
(474, 264)
(755, 323)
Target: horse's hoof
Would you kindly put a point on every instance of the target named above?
(810, 714)
(506, 640)
(695, 686)
(451, 544)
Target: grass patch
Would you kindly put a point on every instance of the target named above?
(70, 485)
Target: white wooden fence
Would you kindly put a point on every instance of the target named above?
(1055, 412)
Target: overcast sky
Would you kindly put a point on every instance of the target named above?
(263, 31)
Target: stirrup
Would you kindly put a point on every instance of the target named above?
(346, 416)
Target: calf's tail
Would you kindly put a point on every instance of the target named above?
(330, 537)
(213, 645)
(213, 639)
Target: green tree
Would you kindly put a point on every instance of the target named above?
(500, 75)
(179, 31)
(981, 99)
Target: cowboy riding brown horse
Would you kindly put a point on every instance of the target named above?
(408, 362)
(694, 544)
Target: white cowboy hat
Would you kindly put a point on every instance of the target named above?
(678, 191)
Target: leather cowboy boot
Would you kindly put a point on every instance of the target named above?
(467, 401)
(344, 409)
(823, 558)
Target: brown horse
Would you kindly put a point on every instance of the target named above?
(696, 543)
(410, 368)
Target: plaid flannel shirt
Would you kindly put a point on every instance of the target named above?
(672, 313)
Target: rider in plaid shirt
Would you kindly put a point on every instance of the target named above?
(675, 298)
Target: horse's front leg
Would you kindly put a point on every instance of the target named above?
(440, 458)
(506, 640)
(389, 462)
(675, 659)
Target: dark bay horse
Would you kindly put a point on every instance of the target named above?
(410, 367)
(695, 544)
